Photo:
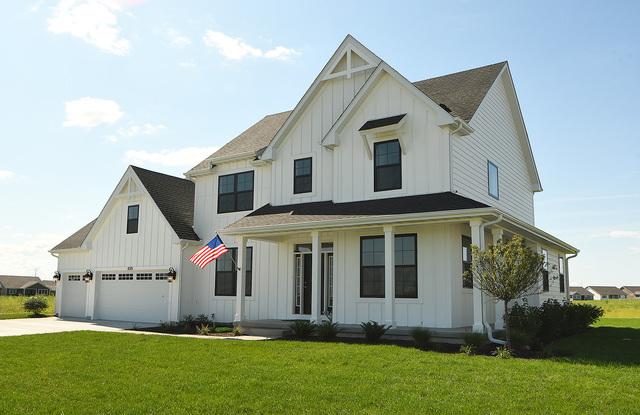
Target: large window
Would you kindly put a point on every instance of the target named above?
(387, 166)
(372, 267)
(545, 271)
(235, 192)
(406, 272)
(302, 181)
(494, 185)
(227, 272)
(133, 214)
(561, 272)
(467, 277)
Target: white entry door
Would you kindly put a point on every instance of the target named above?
(74, 296)
(140, 296)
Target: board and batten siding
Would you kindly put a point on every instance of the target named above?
(495, 139)
(304, 140)
(425, 162)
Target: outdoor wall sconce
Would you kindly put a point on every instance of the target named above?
(171, 275)
(57, 276)
(88, 276)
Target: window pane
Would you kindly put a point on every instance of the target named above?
(226, 184)
(387, 153)
(227, 203)
(245, 181)
(493, 180)
(302, 184)
(132, 218)
(302, 167)
(248, 272)
(372, 282)
(133, 211)
(406, 282)
(467, 278)
(388, 177)
(561, 265)
(245, 201)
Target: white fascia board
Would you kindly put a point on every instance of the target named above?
(219, 160)
(348, 42)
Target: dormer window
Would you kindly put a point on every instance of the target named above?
(302, 179)
(387, 166)
(235, 192)
(493, 184)
(133, 214)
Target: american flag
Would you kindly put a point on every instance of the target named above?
(209, 252)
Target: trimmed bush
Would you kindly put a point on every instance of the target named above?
(327, 330)
(475, 340)
(202, 319)
(35, 305)
(302, 329)
(373, 331)
(421, 337)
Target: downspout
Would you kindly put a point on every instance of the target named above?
(487, 326)
(567, 273)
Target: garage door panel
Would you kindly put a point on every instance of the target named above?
(74, 297)
(125, 299)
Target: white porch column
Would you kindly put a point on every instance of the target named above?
(389, 275)
(476, 239)
(241, 277)
(497, 234)
(316, 274)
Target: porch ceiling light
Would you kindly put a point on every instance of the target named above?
(88, 276)
(171, 275)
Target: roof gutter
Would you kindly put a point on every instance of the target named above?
(461, 127)
(567, 272)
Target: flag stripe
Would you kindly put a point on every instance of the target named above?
(210, 252)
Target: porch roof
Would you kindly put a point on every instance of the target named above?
(328, 211)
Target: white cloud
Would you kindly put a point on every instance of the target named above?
(25, 253)
(178, 39)
(6, 174)
(133, 130)
(625, 234)
(635, 249)
(93, 21)
(183, 157)
(187, 64)
(90, 112)
(234, 48)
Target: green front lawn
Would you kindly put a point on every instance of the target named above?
(617, 308)
(89, 372)
(11, 307)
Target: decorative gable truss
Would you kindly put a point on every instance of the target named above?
(351, 62)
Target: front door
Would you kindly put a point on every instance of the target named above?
(303, 284)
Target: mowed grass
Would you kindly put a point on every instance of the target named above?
(617, 308)
(90, 372)
(12, 307)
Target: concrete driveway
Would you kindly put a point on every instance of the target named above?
(22, 326)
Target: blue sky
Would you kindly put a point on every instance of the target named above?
(88, 87)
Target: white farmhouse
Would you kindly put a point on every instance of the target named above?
(359, 204)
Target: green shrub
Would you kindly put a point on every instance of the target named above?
(302, 329)
(373, 331)
(502, 353)
(188, 320)
(223, 330)
(203, 329)
(327, 330)
(35, 305)
(421, 337)
(521, 341)
(237, 331)
(475, 340)
(467, 349)
(202, 319)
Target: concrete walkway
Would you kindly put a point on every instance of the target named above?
(26, 326)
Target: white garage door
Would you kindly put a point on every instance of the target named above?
(74, 296)
(141, 296)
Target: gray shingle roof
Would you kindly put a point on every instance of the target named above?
(16, 281)
(174, 197)
(324, 211)
(579, 290)
(606, 290)
(75, 240)
(461, 92)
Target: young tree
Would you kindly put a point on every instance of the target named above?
(507, 271)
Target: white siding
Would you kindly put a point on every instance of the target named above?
(495, 139)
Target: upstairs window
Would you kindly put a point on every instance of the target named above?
(492, 174)
(302, 175)
(227, 273)
(387, 166)
(467, 277)
(235, 192)
(545, 271)
(133, 213)
(561, 272)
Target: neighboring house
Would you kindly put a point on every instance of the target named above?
(359, 204)
(579, 293)
(632, 291)
(606, 293)
(21, 285)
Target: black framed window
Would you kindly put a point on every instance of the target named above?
(133, 214)
(227, 273)
(235, 192)
(493, 180)
(545, 271)
(302, 181)
(467, 259)
(372, 267)
(561, 272)
(406, 269)
(387, 166)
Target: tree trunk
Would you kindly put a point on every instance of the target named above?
(506, 325)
